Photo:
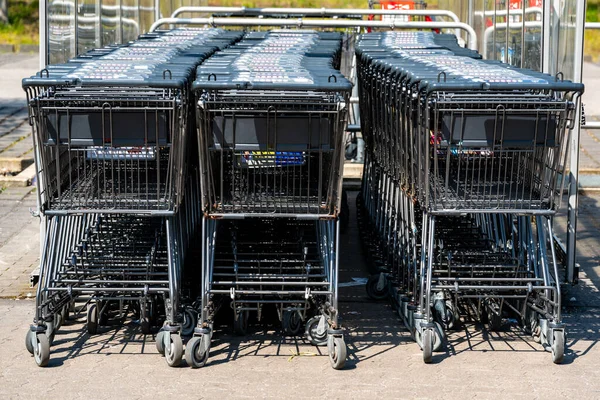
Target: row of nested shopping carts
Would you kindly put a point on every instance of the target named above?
(187, 140)
(461, 181)
(199, 170)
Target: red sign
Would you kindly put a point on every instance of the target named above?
(518, 4)
(398, 5)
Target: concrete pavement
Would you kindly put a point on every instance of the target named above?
(383, 361)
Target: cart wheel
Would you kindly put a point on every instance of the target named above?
(102, 315)
(558, 347)
(494, 321)
(452, 316)
(190, 318)
(160, 342)
(312, 332)
(92, 319)
(240, 325)
(195, 355)
(174, 353)
(373, 291)
(438, 337)
(29, 341)
(291, 322)
(50, 331)
(64, 313)
(337, 351)
(427, 344)
(41, 352)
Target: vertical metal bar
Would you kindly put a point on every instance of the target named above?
(546, 51)
(522, 33)
(76, 15)
(506, 34)
(98, 24)
(574, 146)
(43, 32)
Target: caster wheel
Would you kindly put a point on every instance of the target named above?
(102, 315)
(291, 322)
(92, 319)
(58, 320)
(195, 353)
(174, 352)
(64, 313)
(337, 352)
(438, 337)
(145, 325)
(240, 324)
(373, 291)
(494, 321)
(189, 321)
(160, 343)
(537, 335)
(41, 351)
(29, 338)
(558, 347)
(316, 335)
(50, 330)
(427, 342)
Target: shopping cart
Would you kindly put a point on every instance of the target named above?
(462, 180)
(271, 114)
(117, 194)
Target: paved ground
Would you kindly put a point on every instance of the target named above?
(15, 133)
(383, 361)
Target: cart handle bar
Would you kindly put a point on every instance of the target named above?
(314, 12)
(334, 23)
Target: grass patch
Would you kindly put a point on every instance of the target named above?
(592, 36)
(22, 27)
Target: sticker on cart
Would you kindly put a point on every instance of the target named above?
(262, 159)
(121, 153)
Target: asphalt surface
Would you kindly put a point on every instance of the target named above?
(383, 361)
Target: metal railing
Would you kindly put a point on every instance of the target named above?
(330, 23)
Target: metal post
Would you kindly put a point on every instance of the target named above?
(43, 30)
(546, 37)
(571, 275)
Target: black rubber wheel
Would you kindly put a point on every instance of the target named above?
(195, 354)
(373, 292)
(190, 317)
(312, 334)
(174, 353)
(291, 323)
(558, 347)
(102, 314)
(338, 352)
(29, 341)
(427, 342)
(160, 345)
(41, 352)
(240, 324)
(92, 319)
(494, 321)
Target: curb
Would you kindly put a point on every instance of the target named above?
(15, 164)
(21, 48)
(23, 179)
